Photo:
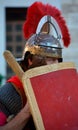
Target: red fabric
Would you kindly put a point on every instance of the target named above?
(57, 97)
(19, 87)
(3, 118)
(16, 81)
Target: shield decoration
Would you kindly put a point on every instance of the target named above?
(52, 92)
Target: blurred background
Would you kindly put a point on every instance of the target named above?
(12, 17)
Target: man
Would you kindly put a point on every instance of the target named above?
(42, 47)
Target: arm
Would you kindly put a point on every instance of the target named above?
(19, 121)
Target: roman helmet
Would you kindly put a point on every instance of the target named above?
(45, 30)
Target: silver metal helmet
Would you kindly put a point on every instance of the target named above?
(48, 39)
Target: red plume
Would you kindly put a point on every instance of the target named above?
(36, 11)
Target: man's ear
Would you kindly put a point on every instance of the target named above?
(29, 62)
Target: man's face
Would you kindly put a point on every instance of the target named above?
(42, 61)
(51, 60)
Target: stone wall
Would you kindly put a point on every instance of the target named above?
(70, 12)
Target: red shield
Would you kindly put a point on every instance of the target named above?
(52, 92)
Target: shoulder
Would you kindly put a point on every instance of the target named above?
(10, 100)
